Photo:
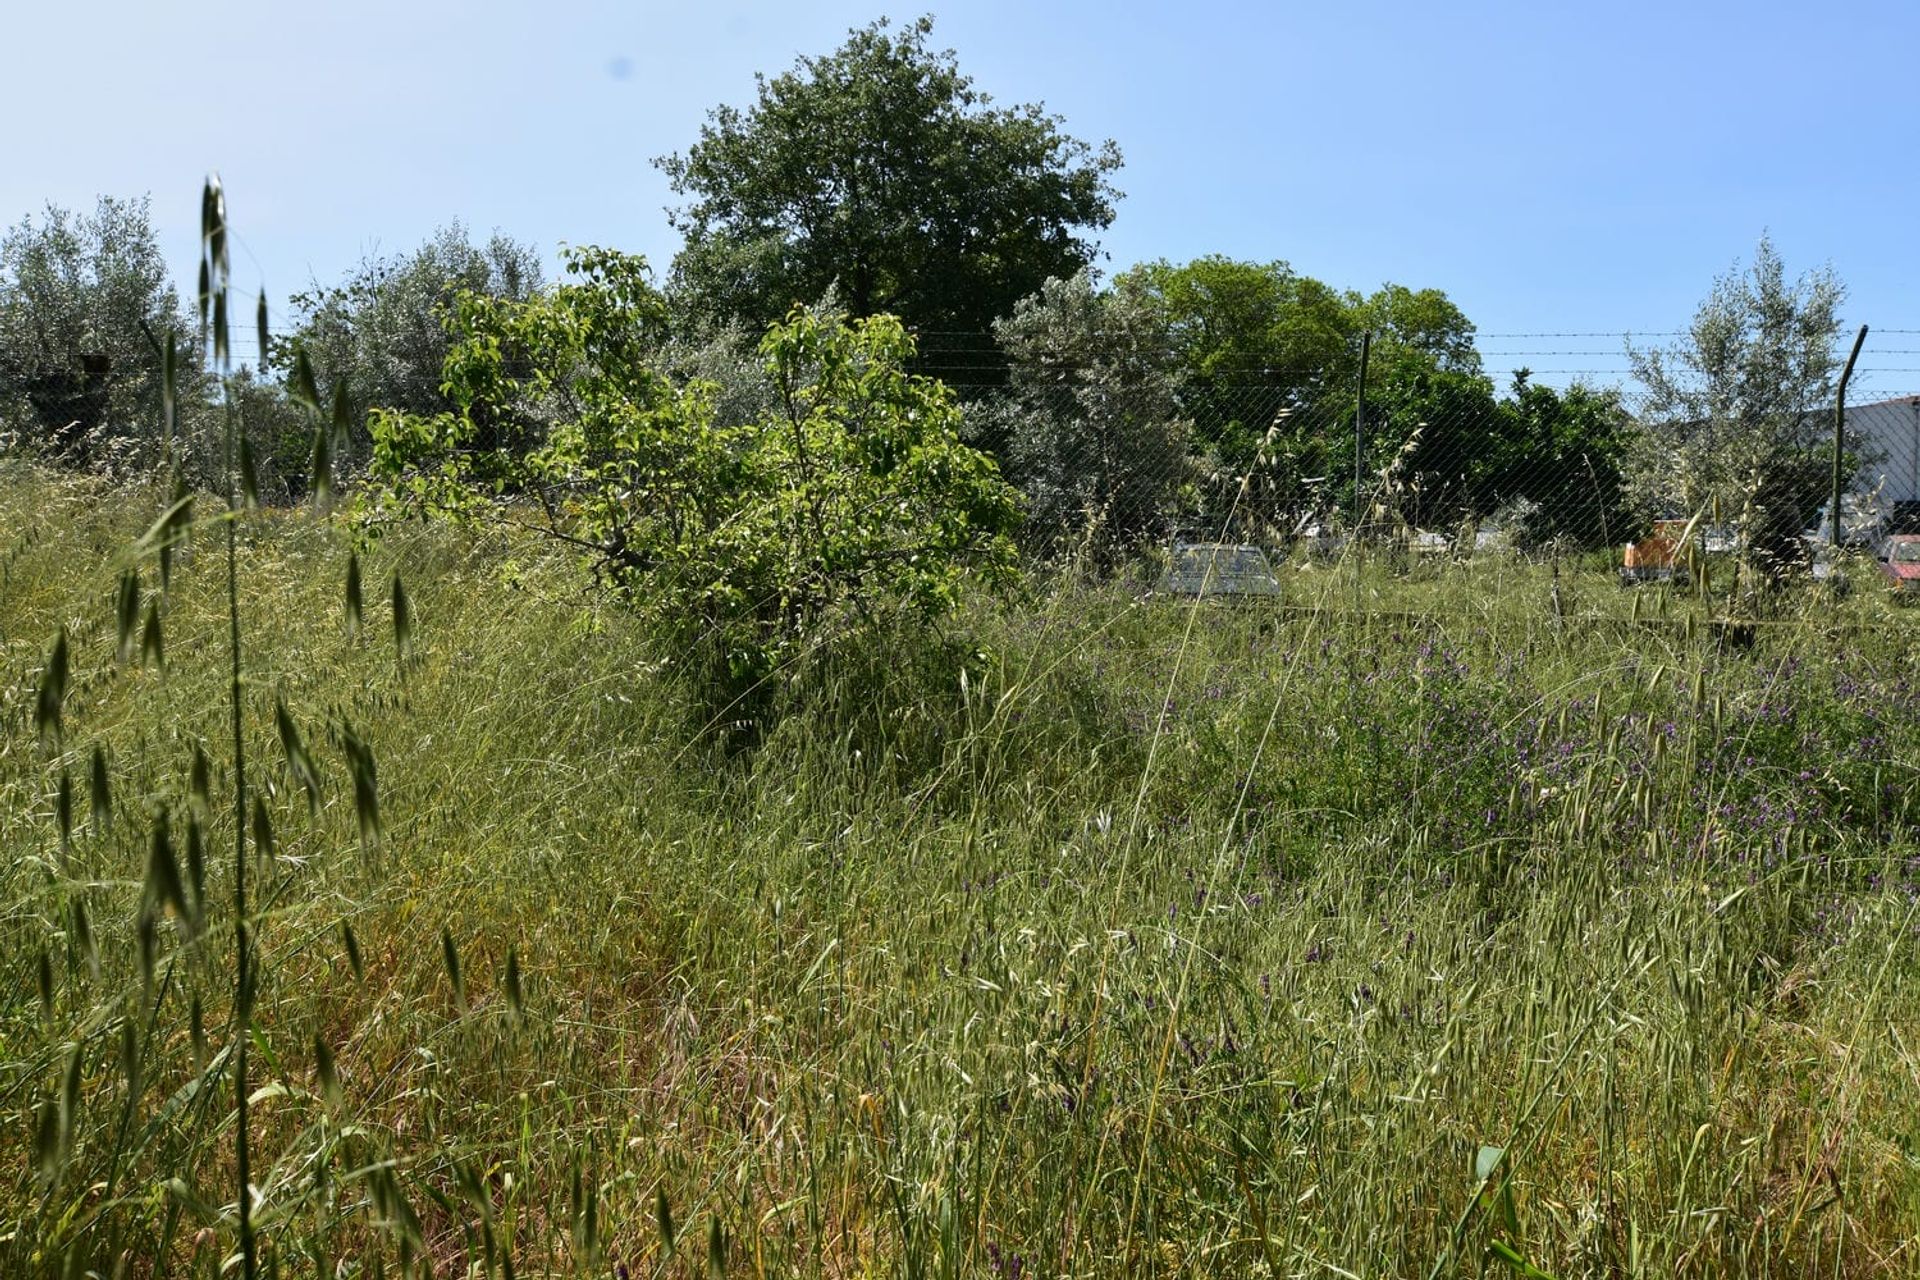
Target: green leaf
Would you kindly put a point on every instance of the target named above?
(324, 1069)
(321, 477)
(127, 613)
(1513, 1258)
(366, 797)
(167, 531)
(205, 294)
(249, 476)
(153, 643)
(48, 1159)
(222, 346)
(200, 782)
(303, 388)
(516, 999)
(663, 1218)
(163, 888)
(342, 414)
(70, 1101)
(83, 935)
(260, 329)
(197, 1034)
(262, 830)
(450, 956)
(130, 1057)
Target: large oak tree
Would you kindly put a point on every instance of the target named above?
(880, 172)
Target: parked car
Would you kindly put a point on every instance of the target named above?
(1900, 562)
(1863, 522)
(1720, 539)
(1492, 539)
(1218, 569)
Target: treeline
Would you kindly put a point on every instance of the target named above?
(877, 180)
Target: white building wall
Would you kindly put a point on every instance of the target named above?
(1887, 436)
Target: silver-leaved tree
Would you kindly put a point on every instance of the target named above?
(1732, 422)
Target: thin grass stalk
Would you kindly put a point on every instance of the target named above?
(214, 234)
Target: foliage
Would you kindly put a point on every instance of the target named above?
(1267, 366)
(725, 357)
(383, 330)
(1235, 322)
(740, 540)
(1439, 429)
(1422, 324)
(1564, 451)
(1732, 423)
(84, 306)
(1091, 431)
(1250, 340)
(881, 168)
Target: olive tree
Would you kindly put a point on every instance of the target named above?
(1088, 422)
(382, 331)
(1730, 420)
(85, 311)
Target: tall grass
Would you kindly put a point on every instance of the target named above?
(1454, 936)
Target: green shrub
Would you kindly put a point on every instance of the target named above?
(746, 542)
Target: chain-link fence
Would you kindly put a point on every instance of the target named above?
(1437, 469)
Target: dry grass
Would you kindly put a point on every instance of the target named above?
(1114, 962)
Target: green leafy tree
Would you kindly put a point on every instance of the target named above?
(85, 308)
(1249, 340)
(1252, 341)
(1564, 452)
(744, 542)
(1088, 422)
(1424, 324)
(881, 170)
(1267, 369)
(382, 331)
(1433, 438)
(1435, 432)
(1731, 420)
(726, 358)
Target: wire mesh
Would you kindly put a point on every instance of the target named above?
(1440, 469)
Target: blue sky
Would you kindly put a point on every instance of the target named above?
(1555, 168)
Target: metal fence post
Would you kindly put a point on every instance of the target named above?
(1840, 440)
(1360, 428)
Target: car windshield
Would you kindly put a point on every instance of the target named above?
(1904, 553)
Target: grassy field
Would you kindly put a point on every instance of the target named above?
(1091, 936)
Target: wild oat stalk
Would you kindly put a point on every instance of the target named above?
(215, 273)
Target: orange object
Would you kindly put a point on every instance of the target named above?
(1654, 552)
